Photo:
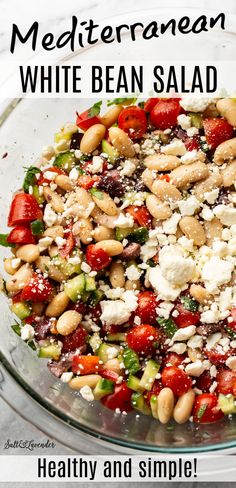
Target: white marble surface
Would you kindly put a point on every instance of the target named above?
(56, 13)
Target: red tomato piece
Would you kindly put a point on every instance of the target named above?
(74, 340)
(21, 235)
(39, 289)
(164, 114)
(87, 182)
(142, 339)
(176, 379)
(119, 399)
(217, 131)
(217, 356)
(69, 245)
(87, 119)
(133, 120)
(192, 143)
(164, 177)
(186, 317)
(150, 104)
(43, 180)
(226, 380)
(204, 381)
(109, 375)
(24, 209)
(96, 258)
(85, 364)
(147, 304)
(204, 409)
(173, 359)
(141, 215)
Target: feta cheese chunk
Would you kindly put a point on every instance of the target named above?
(87, 393)
(195, 369)
(163, 287)
(123, 221)
(174, 267)
(115, 312)
(189, 206)
(49, 217)
(231, 362)
(175, 148)
(196, 104)
(216, 272)
(226, 214)
(184, 334)
(132, 273)
(27, 332)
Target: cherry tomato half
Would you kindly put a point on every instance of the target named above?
(176, 379)
(164, 114)
(120, 399)
(217, 131)
(133, 120)
(97, 258)
(39, 289)
(85, 364)
(142, 339)
(147, 304)
(204, 409)
(24, 209)
(21, 235)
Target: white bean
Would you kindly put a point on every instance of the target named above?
(227, 109)
(9, 268)
(183, 407)
(121, 142)
(92, 138)
(58, 305)
(64, 182)
(161, 162)
(117, 275)
(68, 322)
(226, 151)
(54, 199)
(105, 203)
(187, 174)
(229, 174)
(20, 279)
(165, 405)
(111, 116)
(112, 247)
(87, 380)
(102, 233)
(192, 228)
(165, 191)
(28, 253)
(158, 209)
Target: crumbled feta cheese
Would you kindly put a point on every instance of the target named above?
(95, 341)
(189, 206)
(74, 174)
(128, 168)
(163, 288)
(186, 244)
(97, 165)
(123, 221)
(192, 131)
(195, 369)
(170, 225)
(226, 214)
(112, 352)
(49, 217)
(132, 273)
(190, 157)
(210, 316)
(196, 104)
(27, 332)
(216, 272)
(179, 348)
(195, 342)
(50, 175)
(174, 267)
(87, 393)
(184, 334)
(131, 300)
(219, 248)
(175, 148)
(85, 267)
(114, 312)
(231, 362)
(211, 196)
(212, 340)
(184, 121)
(44, 243)
(207, 214)
(66, 377)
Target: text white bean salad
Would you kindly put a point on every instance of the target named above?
(124, 250)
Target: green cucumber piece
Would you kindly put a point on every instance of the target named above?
(75, 287)
(37, 227)
(30, 178)
(149, 375)
(227, 404)
(131, 360)
(168, 326)
(52, 351)
(153, 405)
(67, 268)
(134, 383)
(21, 310)
(65, 161)
(90, 284)
(103, 387)
(138, 403)
(139, 235)
(39, 198)
(196, 119)
(95, 297)
(111, 151)
(117, 337)
(189, 304)
(122, 233)
(103, 352)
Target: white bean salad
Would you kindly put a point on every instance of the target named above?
(122, 272)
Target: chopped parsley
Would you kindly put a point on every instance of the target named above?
(4, 242)
(30, 177)
(95, 109)
(96, 193)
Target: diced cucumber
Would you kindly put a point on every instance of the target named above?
(39, 198)
(95, 297)
(65, 160)
(67, 268)
(153, 405)
(37, 227)
(149, 374)
(139, 235)
(196, 120)
(134, 383)
(103, 352)
(21, 309)
(75, 287)
(131, 360)
(189, 304)
(52, 351)
(103, 387)
(168, 325)
(122, 233)
(117, 337)
(138, 403)
(227, 404)
(110, 151)
(90, 284)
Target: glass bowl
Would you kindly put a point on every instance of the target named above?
(25, 382)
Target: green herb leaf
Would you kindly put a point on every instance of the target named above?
(151, 263)
(141, 105)
(201, 411)
(231, 332)
(190, 304)
(118, 101)
(168, 326)
(3, 241)
(96, 193)
(95, 109)
(37, 227)
(30, 177)
(32, 345)
(16, 328)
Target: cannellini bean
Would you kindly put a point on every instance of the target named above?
(132, 285)
(28, 253)
(213, 181)
(165, 191)
(158, 209)
(112, 247)
(192, 228)
(101, 218)
(9, 268)
(105, 203)
(68, 322)
(53, 232)
(165, 405)
(121, 142)
(111, 116)
(187, 174)
(148, 178)
(20, 279)
(58, 305)
(200, 294)
(38, 308)
(114, 365)
(227, 109)
(161, 162)
(226, 151)
(85, 200)
(183, 407)
(102, 233)
(45, 265)
(86, 380)
(64, 182)
(84, 229)
(54, 199)
(92, 138)
(213, 230)
(53, 251)
(117, 275)
(194, 354)
(229, 174)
